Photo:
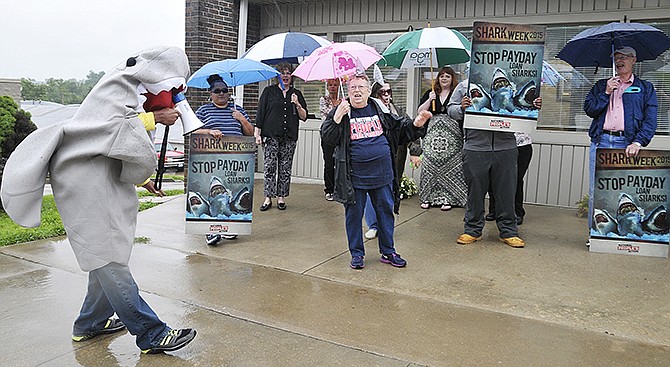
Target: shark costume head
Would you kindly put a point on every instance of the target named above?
(96, 158)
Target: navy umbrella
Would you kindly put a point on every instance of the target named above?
(594, 46)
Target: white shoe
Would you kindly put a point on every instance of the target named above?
(371, 233)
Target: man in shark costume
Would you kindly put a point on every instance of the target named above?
(94, 161)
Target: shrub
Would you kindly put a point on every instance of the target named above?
(583, 207)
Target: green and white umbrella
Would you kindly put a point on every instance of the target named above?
(427, 47)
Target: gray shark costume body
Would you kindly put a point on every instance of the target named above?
(94, 161)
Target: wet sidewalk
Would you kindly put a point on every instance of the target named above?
(286, 296)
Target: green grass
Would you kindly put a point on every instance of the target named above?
(144, 193)
(51, 225)
(142, 240)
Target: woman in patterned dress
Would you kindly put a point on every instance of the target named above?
(442, 183)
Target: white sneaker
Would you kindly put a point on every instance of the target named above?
(371, 233)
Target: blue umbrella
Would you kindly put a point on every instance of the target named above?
(291, 47)
(233, 71)
(594, 46)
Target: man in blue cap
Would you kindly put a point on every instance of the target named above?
(624, 110)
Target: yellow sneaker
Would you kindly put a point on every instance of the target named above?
(515, 242)
(466, 239)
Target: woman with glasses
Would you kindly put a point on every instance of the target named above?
(280, 109)
(222, 117)
(442, 182)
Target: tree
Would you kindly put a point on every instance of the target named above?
(15, 125)
(31, 90)
(69, 91)
(7, 110)
(23, 126)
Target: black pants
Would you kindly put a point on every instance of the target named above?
(328, 168)
(523, 161)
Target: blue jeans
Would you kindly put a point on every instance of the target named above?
(382, 202)
(370, 215)
(113, 289)
(606, 141)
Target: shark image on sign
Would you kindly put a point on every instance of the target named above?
(503, 95)
(223, 202)
(631, 220)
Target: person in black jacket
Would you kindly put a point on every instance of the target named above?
(366, 138)
(280, 109)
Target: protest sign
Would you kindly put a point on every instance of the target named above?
(220, 184)
(505, 75)
(630, 203)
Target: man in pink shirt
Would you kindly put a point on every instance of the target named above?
(624, 110)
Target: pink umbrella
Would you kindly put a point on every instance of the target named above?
(337, 60)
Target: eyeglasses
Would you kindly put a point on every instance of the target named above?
(358, 87)
(385, 91)
(618, 57)
(218, 91)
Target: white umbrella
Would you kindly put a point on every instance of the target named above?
(291, 47)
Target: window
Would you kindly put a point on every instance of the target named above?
(562, 107)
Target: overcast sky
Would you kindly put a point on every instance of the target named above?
(66, 39)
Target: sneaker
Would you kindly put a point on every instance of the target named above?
(329, 197)
(213, 238)
(112, 326)
(466, 239)
(173, 340)
(515, 242)
(393, 259)
(357, 262)
(371, 233)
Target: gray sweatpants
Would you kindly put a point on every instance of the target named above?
(499, 169)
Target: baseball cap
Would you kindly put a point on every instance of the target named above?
(625, 50)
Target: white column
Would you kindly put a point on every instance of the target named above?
(241, 44)
(413, 90)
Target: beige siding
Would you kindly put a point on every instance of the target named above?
(344, 16)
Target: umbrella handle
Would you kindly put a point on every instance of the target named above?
(432, 83)
(160, 170)
(613, 62)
